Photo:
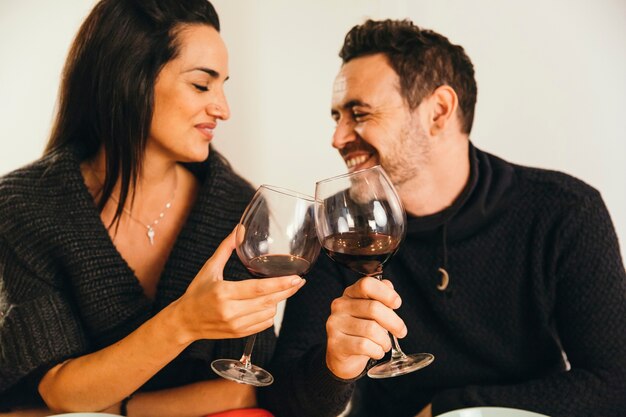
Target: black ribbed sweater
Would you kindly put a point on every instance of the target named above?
(66, 291)
(535, 269)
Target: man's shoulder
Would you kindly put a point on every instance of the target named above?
(542, 182)
(553, 184)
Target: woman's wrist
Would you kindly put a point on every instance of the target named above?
(176, 325)
(124, 405)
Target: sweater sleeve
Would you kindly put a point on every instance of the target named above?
(38, 328)
(303, 385)
(590, 318)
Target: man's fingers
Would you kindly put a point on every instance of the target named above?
(369, 329)
(374, 289)
(387, 283)
(347, 345)
(370, 310)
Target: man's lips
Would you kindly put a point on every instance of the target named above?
(354, 160)
(356, 153)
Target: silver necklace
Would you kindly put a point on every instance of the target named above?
(150, 232)
(150, 226)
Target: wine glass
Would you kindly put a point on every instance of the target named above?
(360, 224)
(275, 237)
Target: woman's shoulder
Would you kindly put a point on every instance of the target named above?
(31, 190)
(220, 179)
(30, 179)
(22, 186)
(23, 177)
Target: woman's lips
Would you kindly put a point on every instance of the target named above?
(206, 129)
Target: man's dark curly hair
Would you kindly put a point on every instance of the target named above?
(424, 60)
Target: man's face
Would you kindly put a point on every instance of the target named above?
(374, 122)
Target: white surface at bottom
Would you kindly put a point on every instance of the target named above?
(491, 412)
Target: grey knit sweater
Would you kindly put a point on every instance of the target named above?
(65, 290)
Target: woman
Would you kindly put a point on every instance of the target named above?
(104, 289)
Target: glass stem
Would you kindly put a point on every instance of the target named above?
(247, 352)
(396, 352)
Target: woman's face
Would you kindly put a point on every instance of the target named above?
(189, 96)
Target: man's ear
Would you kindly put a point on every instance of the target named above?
(443, 103)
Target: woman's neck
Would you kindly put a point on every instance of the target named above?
(157, 181)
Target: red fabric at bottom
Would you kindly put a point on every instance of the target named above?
(243, 412)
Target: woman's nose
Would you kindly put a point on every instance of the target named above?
(219, 108)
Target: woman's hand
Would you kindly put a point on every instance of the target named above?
(212, 308)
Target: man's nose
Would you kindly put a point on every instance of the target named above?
(344, 133)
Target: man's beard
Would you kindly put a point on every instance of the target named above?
(407, 155)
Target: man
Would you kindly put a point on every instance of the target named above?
(511, 276)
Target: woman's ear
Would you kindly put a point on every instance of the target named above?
(443, 104)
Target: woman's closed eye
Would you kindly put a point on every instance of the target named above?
(201, 87)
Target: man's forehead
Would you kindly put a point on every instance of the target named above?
(340, 84)
(352, 82)
(363, 79)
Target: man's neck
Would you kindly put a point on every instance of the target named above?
(440, 181)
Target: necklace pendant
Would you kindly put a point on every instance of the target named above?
(151, 234)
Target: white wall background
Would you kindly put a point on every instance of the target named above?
(551, 79)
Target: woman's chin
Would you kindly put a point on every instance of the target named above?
(199, 155)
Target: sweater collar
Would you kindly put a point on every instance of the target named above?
(486, 193)
(77, 215)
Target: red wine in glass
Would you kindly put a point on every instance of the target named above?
(278, 265)
(362, 252)
(275, 237)
(360, 223)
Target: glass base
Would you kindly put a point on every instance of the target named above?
(236, 371)
(401, 366)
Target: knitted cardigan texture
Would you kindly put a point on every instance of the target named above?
(66, 291)
(534, 316)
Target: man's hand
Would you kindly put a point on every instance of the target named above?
(358, 326)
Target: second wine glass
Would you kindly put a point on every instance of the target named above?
(360, 224)
(276, 236)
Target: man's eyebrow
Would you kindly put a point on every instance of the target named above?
(349, 105)
(353, 103)
(210, 71)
